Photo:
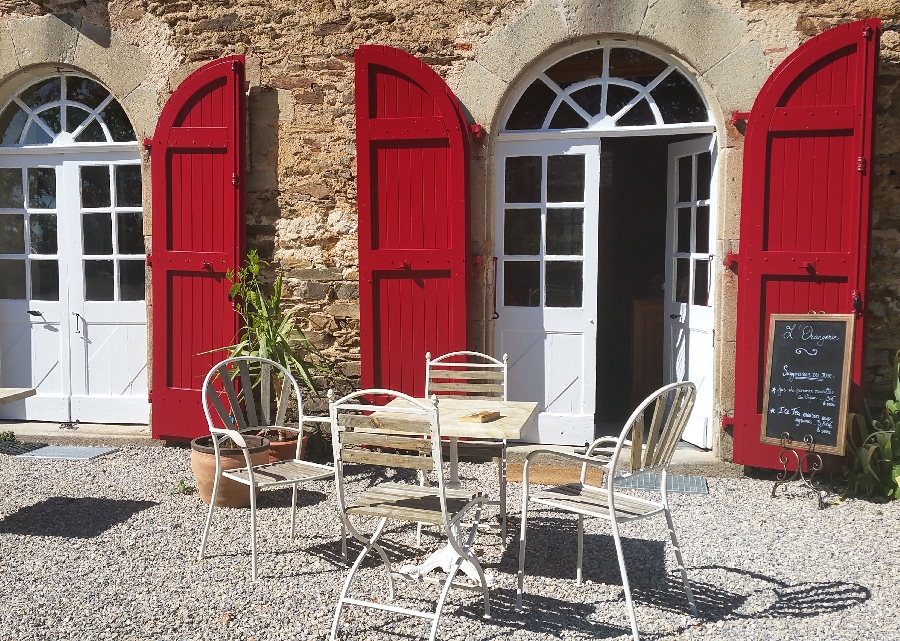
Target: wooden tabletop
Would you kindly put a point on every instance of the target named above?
(11, 394)
(515, 417)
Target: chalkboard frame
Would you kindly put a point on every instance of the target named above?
(844, 402)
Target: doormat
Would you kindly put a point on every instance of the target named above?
(68, 452)
(677, 483)
(14, 448)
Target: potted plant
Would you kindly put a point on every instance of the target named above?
(269, 331)
(203, 465)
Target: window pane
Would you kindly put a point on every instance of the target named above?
(41, 93)
(704, 175)
(74, 117)
(685, 177)
(701, 230)
(98, 280)
(95, 186)
(523, 179)
(12, 122)
(683, 230)
(522, 232)
(92, 133)
(130, 232)
(12, 234)
(12, 279)
(128, 185)
(51, 118)
(43, 233)
(532, 108)
(565, 178)
(85, 91)
(589, 98)
(581, 66)
(522, 283)
(117, 122)
(97, 233)
(565, 231)
(567, 118)
(42, 187)
(44, 280)
(564, 284)
(701, 282)
(678, 101)
(36, 135)
(131, 280)
(617, 97)
(638, 115)
(635, 65)
(682, 279)
(11, 192)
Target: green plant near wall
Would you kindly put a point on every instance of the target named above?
(876, 460)
(268, 330)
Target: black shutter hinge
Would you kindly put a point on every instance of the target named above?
(857, 302)
(867, 31)
(861, 165)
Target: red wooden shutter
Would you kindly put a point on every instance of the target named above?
(412, 156)
(197, 163)
(805, 207)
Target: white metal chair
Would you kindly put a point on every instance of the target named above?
(227, 390)
(353, 440)
(668, 410)
(475, 376)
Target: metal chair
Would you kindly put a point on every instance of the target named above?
(227, 390)
(669, 409)
(354, 421)
(475, 376)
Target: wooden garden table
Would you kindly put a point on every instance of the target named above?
(12, 394)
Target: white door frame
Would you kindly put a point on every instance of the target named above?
(552, 350)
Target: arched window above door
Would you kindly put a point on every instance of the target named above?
(608, 88)
(64, 110)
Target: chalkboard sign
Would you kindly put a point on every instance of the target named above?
(808, 380)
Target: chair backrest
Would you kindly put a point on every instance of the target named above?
(467, 374)
(230, 405)
(361, 432)
(654, 428)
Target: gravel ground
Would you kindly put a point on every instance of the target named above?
(102, 550)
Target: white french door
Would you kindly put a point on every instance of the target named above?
(546, 231)
(72, 310)
(690, 242)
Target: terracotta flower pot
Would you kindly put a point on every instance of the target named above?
(286, 450)
(203, 464)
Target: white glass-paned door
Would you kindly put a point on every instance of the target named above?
(690, 240)
(546, 230)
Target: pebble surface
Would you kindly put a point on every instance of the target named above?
(103, 550)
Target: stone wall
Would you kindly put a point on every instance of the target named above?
(301, 188)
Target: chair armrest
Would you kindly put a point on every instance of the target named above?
(317, 419)
(590, 460)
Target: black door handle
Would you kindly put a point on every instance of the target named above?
(34, 312)
(675, 316)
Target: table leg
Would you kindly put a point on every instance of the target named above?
(453, 481)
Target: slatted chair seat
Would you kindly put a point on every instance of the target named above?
(410, 502)
(650, 435)
(282, 473)
(591, 501)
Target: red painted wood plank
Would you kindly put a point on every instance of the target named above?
(409, 128)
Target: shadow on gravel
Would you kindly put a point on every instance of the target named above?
(71, 518)
(281, 498)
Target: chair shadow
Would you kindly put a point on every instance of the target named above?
(70, 517)
(281, 498)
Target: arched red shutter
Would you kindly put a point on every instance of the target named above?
(197, 164)
(412, 157)
(805, 207)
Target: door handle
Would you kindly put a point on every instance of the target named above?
(675, 316)
(77, 322)
(34, 312)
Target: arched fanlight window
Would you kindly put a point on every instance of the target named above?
(608, 88)
(64, 110)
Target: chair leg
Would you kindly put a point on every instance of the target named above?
(294, 512)
(422, 483)
(684, 576)
(629, 605)
(503, 495)
(521, 587)
(344, 541)
(578, 579)
(212, 505)
(366, 548)
(253, 530)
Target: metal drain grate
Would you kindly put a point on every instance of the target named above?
(14, 448)
(67, 452)
(677, 483)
